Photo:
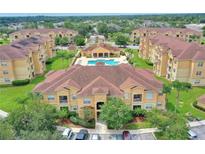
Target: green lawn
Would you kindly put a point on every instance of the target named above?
(61, 62)
(139, 62)
(10, 94)
(4, 41)
(186, 100)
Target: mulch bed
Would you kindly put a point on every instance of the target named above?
(138, 119)
(68, 123)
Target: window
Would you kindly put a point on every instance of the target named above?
(148, 106)
(5, 72)
(51, 97)
(197, 82)
(74, 97)
(200, 64)
(198, 73)
(177, 35)
(86, 101)
(4, 63)
(137, 97)
(63, 99)
(74, 108)
(149, 95)
(99, 105)
(7, 80)
(159, 104)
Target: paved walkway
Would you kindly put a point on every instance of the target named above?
(196, 123)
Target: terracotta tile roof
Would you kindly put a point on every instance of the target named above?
(180, 49)
(99, 79)
(102, 45)
(8, 53)
(170, 30)
(21, 48)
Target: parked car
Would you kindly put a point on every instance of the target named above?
(95, 137)
(192, 134)
(82, 135)
(67, 133)
(126, 135)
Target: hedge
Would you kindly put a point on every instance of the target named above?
(81, 122)
(20, 82)
(50, 60)
(198, 107)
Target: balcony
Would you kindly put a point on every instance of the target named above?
(63, 100)
(137, 99)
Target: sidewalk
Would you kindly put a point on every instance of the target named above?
(196, 123)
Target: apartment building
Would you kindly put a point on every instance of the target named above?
(178, 60)
(24, 59)
(144, 33)
(90, 86)
(52, 33)
(101, 50)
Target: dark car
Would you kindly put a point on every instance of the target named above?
(82, 135)
(126, 135)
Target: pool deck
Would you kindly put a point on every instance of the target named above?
(84, 61)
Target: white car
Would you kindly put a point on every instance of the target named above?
(67, 133)
(95, 137)
(192, 134)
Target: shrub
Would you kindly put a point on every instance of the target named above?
(73, 114)
(198, 107)
(74, 120)
(139, 112)
(50, 60)
(20, 82)
(148, 63)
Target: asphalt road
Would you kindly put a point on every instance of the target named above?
(200, 131)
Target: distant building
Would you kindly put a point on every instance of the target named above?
(101, 50)
(96, 39)
(90, 86)
(145, 33)
(177, 59)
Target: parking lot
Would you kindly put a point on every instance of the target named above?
(145, 136)
(200, 131)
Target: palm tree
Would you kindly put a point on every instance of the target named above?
(180, 86)
(35, 97)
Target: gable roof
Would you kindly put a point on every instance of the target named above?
(99, 79)
(101, 45)
(180, 49)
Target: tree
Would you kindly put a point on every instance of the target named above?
(64, 41)
(115, 113)
(121, 39)
(79, 40)
(34, 117)
(170, 125)
(6, 131)
(48, 24)
(35, 97)
(166, 90)
(102, 28)
(68, 24)
(88, 114)
(180, 86)
(57, 40)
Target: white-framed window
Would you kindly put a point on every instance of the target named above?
(3, 63)
(7, 80)
(149, 95)
(198, 73)
(86, 101)
(197, 82)
(5, 72)
(159, 104)
(200, 64)
(74, 108)
(51, 97)
(148, 106)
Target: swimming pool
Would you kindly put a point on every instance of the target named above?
(110, 62)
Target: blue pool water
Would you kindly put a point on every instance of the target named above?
(110, 62)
